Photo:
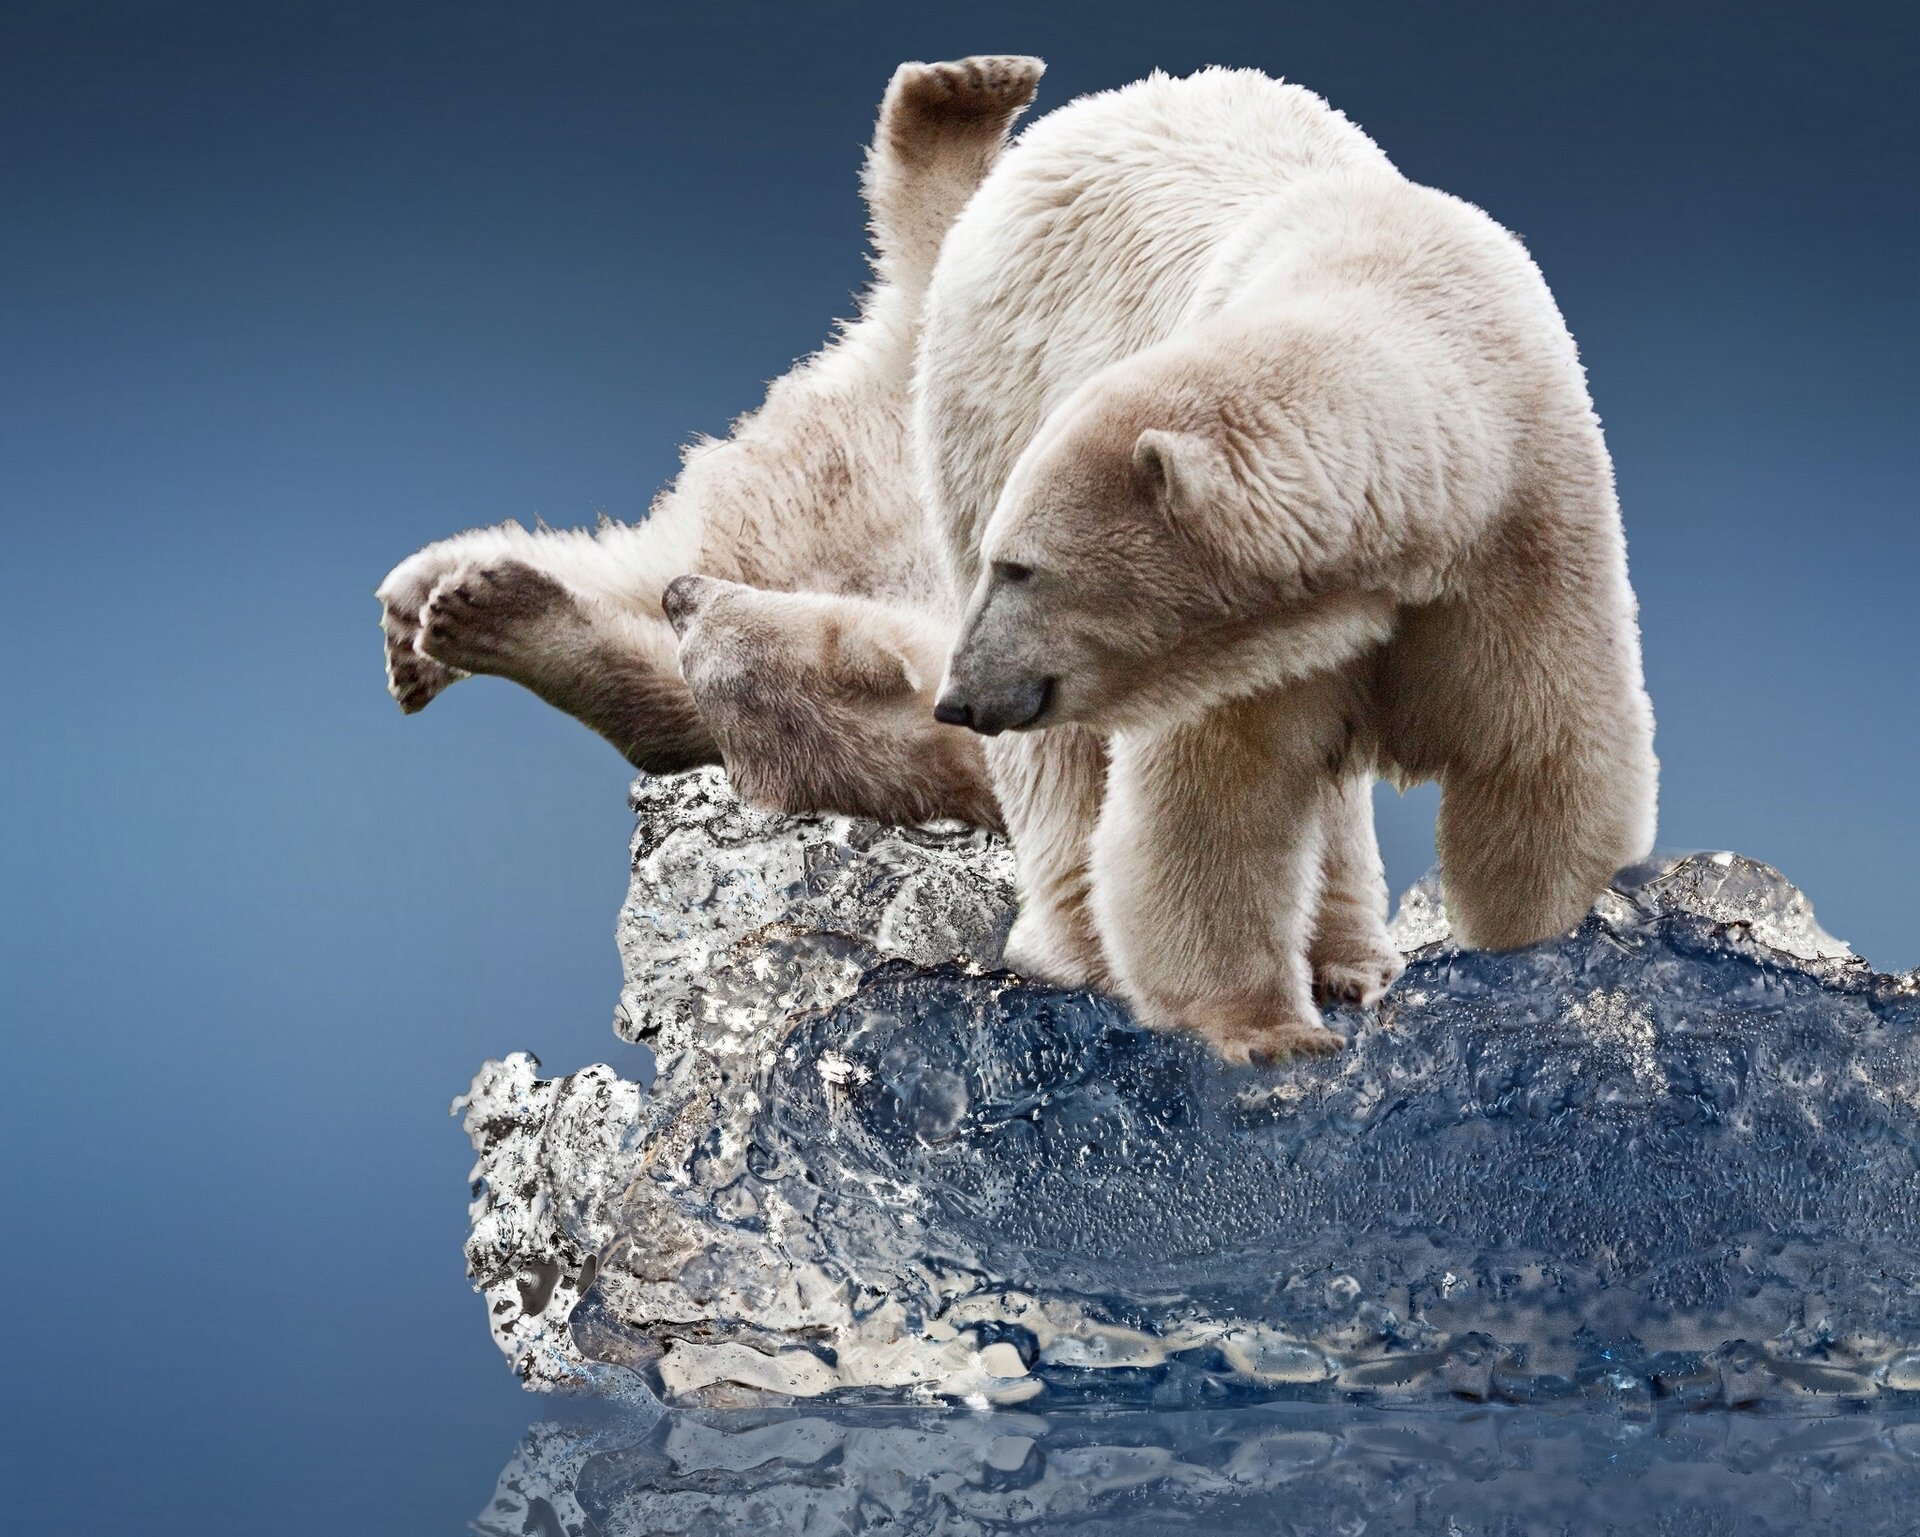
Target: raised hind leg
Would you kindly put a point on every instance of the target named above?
(941, 127)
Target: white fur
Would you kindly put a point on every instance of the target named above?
(814, 491)
(1265, 467)
(825, 703)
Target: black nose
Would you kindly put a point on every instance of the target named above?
(953, 712)
(678, 597)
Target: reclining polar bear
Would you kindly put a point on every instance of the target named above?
(1268, 470)
(814, 491)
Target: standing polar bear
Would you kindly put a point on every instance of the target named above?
(1265, 470)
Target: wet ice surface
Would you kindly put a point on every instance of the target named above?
(1282, 1468)
(1673, 1159)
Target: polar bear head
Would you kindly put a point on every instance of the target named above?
(1143, 562)
(824, 703)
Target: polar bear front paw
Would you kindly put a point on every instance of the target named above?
(497, 619)
(1047, 946)
(1258, 1028)
(413, 678)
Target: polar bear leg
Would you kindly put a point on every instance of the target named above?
(1353, 960)
(1525, 849)
(626, 565)
(609, 668)
(941, 127)
(1525, 701)
(574, 617)
(1050, 787)
(414, 678)
(1207, 868)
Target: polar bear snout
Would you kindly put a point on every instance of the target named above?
(682, 597)
(952, 711)
(1015, 704)
(1000, 676)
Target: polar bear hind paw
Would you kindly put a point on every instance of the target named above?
(413, 678)
(990, 86)
(415, 681)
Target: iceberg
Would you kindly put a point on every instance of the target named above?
(1668, 1162)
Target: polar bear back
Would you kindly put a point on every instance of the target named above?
(1098, 234)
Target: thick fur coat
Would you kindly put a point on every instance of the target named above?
(1266, 470)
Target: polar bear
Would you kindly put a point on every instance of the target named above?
(823, 703)
(1264, 469)
(813, 491)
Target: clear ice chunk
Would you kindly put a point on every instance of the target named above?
(1671, 1158)
(734, 910)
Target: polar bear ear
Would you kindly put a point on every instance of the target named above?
(1175, 467)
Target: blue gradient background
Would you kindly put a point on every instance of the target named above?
(290, 289)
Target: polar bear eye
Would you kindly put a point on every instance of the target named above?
(1012, 571)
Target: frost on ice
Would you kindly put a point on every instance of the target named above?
(1674, 1156)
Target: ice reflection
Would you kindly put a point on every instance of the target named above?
(1309, 1468)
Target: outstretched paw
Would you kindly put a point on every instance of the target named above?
(1356, 976)
(413, 679)
(497, 618)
